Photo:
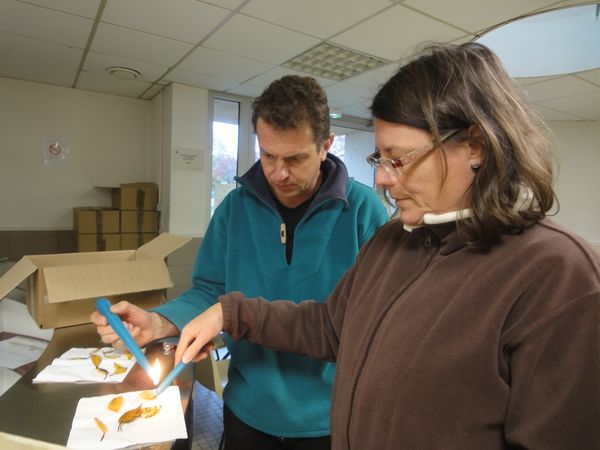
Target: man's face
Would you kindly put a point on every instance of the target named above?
(291, 162)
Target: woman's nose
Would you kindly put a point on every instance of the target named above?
(384, 179)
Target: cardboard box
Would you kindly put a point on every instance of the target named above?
(96, 220)
(135, 196)
(99, 242)
(139, 221)
(132, 241)
(62, 288)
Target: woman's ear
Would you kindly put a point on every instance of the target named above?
(476, 145)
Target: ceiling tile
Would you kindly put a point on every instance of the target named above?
(475, 15)
(219, 64)
(342, 94)
(524, 81)
(118, 41)
(185, 20)
(12, 46)
(228, 4)
(33, 71)
(98, 63)
(247, 90)
(44, 24)
(593, 76)
(152, 91)
(589, 102)
(261, 41)
(98, 82)
(262, 81)
(301, 16)
(85, 8)
(552, 115)
(357, 110)
(398, 30)
(196, 79)
(557, 88)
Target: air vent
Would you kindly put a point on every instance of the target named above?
(124, 73)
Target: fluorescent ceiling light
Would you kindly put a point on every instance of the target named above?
(333, 62)
(560, 41)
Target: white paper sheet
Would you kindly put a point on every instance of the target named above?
(18, 351)
(166, 425)
(76, 366)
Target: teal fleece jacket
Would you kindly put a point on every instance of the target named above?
(282, 394)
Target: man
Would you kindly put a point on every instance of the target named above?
(290, 230)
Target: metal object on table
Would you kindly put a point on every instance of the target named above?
(45, 411)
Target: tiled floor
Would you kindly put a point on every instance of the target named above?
(208, 419)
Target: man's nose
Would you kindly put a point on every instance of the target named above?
(280, 172)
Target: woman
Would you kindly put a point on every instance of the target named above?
(472, 321)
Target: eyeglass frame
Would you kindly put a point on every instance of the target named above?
(375, 159)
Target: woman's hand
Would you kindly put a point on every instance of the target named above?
(195, 341)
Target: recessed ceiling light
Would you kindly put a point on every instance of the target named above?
(333, 62)
(124, 73)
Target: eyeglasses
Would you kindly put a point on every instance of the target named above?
(393, 167)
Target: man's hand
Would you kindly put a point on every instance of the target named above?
(143, 326)
(195, 341)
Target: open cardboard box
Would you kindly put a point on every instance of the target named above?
(62, 289)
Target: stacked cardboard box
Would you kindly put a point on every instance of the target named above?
(131, 222)
(97, 229)
(139, 219)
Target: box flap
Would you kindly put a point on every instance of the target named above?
(161, 246)
(67, 283)
(15, 275)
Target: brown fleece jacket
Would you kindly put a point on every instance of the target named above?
(440, 346)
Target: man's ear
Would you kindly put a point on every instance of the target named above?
(327, 145)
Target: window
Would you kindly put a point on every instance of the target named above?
(231, 132)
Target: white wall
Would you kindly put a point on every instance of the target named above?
(115, 139)
(108, 139)
(578, 177)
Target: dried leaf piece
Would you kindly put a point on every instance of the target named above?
(148, 395)
(96, 359)
(128, 354)
(150, 411)
(119, 369)
(116, 403)
(96, 350)
(102, 371)
(129, 416)
(102, 427)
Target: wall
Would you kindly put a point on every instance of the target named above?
(108, 139)
(578, 181)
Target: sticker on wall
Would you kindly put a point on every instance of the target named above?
(55, 151)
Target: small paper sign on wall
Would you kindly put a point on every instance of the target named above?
(188, 159)
(55, 151)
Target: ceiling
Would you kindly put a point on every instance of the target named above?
(239, 46)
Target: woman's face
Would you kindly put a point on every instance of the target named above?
(420, 187)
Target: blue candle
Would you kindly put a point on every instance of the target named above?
(115, 322)
(170, 378)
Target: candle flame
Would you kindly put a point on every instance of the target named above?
(155, 372)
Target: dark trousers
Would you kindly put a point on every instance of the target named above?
(239, 436)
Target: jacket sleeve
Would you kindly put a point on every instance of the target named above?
(551, 351)
(309, 328)
(208, 277)
(555, 380)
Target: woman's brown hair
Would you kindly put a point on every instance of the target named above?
(457, 87)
